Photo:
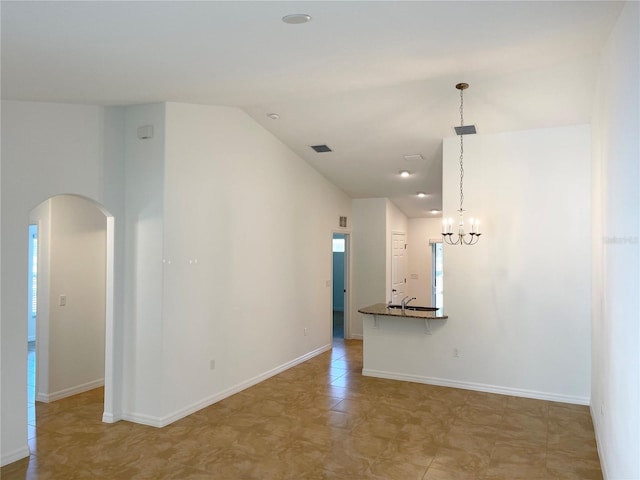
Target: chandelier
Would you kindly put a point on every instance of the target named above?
(461, 237)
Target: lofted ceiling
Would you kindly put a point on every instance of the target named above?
(374, 80)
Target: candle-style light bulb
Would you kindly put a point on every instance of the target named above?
(477, 226)
(473, 230)
(444, 225)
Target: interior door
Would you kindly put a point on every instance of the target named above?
(398, 267)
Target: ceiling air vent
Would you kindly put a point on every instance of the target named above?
(321, 148)
(466, 130)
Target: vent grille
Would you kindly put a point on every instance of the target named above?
(466, 130)
(321, 148)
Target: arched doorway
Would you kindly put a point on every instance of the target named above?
(74, 325)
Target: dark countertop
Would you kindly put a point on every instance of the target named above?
(381, 309)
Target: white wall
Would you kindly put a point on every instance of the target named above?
(143, 284)
(368, 257)
(76, 270)
(244, 227)
(47, 149)
(421, 230)
(516, 301)
(615, 386)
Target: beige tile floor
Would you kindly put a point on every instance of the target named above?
(321, 420)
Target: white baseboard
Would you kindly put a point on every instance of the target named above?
(356, 336)
(68, 392)
(14, 456)
(205, 402)
(143, 419)
(480, 387)
(108, 417)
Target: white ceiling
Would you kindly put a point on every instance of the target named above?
(372, 79)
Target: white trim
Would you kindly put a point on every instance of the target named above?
(14, 456)
(108, 417)
(68, 392)
(357, 336)
(599, 443)
(480, 387)
(144, 419)
(435, 240)
(210, 400)
(110, 388)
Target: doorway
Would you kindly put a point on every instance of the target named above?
(32, 300)
(339, 297)
(73, 260)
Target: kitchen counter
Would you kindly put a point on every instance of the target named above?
(383, 309)
(393, 340)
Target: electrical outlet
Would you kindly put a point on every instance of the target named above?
(212, 364)
(456, 353)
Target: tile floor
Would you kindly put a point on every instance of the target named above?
(338, 324)
(321, 420)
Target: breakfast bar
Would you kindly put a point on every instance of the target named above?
(397, 312)
(394, 339)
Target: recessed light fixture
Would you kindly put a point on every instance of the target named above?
(296, 18)
(421, 194)
(273, 116)
(404, 173)
(435, 211)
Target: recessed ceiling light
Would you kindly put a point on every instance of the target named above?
(421, 194)
(435, 211)
(296, 18)
(404, 173)
(273, 116)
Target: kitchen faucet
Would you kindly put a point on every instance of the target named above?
(405, 302)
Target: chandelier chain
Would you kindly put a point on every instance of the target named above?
(461, 148)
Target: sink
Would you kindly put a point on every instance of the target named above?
(414, 308)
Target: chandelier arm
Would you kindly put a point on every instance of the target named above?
(448, 239)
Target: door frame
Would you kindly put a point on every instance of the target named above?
(347, 282)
